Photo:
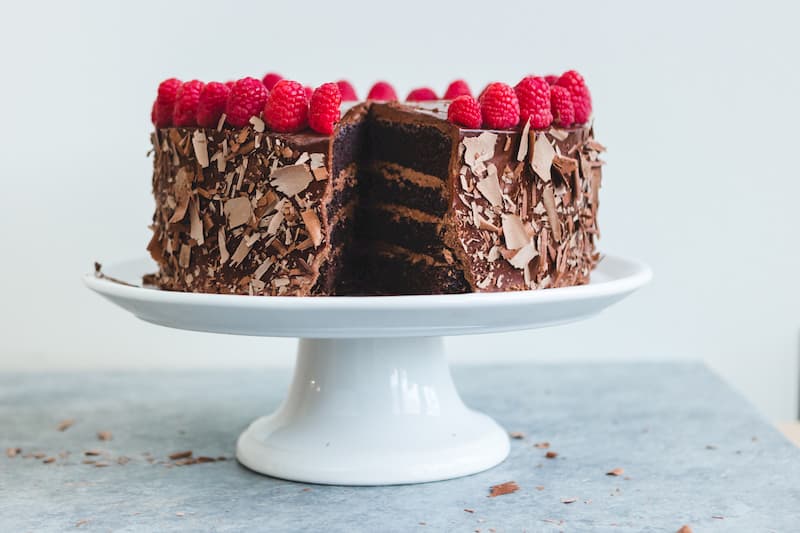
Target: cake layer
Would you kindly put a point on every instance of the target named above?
(396, 270)
(401, 225)
(412, 140)
(383, 182)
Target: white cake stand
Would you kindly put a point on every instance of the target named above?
(372, 401)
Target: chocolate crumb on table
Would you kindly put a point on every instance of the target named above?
(180, 455)
(503, 488)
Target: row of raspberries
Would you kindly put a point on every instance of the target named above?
(560, 101)
(288, 106)
(285, 105)
(550, 100)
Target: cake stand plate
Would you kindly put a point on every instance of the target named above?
(371, 401)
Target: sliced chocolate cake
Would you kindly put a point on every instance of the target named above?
(394, 199)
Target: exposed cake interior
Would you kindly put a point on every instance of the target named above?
(405, 198)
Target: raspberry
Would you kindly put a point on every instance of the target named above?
(561, 106)
(230, 83)
(534, 101)
(309, 92)
(465, 111)
(286, 109)
(551, 79)
(382, 91)
(480, 95)
(347, 91)
(270, 79)
(212, 102)
(581, 99)
(165, 102)
(185, 111)
(422, 94)
(456, 89)
(246, 100)
(324, 110)
(499, 106)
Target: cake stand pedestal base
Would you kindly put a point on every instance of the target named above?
(377, 411)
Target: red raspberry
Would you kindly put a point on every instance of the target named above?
(382, 91)
(456, 89)
(212, 102)
(480, 95)
(246, 100)
(270, 79)
(465, 111)
(230, 83)
(534, 101)
(324, 110)
(309, 92)
(347, 91)
(561, 106)
(551, 79)
(286, 109)
(581, 99)
(499, 106)
(165, 102)
(422, 94)
(185, 111)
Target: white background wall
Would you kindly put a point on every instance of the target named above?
(696, 102)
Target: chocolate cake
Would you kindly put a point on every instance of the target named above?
(397, 200)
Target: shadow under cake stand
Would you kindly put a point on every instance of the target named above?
(371, 401)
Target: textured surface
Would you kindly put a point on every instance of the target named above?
(692, 450)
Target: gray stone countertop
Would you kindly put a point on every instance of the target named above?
(692, 452)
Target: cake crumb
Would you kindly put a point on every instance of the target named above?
(180, 455)
(503, 488)
(65, 424)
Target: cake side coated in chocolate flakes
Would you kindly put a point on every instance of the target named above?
(397, 201)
